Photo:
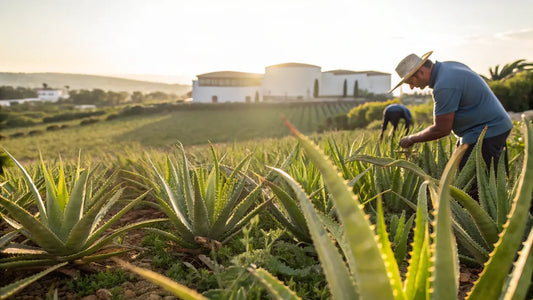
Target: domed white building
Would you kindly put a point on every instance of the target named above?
(287, 82)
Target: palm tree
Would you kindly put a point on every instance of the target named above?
(509, 70)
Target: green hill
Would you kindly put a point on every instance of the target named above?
(89, 82)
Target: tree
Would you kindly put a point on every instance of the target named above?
(137, 97)
(256, 96)
(356, 89)
(315, 89)
(509, 70)
(345, 89)
(45, 85)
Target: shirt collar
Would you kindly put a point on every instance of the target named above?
(434, 72)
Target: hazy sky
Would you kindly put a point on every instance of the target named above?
(186, 38)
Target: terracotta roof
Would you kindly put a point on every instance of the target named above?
(286, 65)
(229, 74)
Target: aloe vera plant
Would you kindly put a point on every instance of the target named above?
(476, 225)
(433, 266)
(69, 225)
(205, 206)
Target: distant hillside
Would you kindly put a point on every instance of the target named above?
(89, 82)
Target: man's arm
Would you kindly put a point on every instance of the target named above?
(442, 127)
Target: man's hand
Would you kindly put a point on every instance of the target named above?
(406, 142)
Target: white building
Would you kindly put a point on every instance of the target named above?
(227, 86)
(50, 95)
(287, 82)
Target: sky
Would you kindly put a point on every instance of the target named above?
(174, 40)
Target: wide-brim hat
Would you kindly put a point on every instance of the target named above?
(408, 66)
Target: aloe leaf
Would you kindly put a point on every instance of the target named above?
(389, 162)
(7, 238)
(101, 257)
(173, 201)
(98, 232)
(492, 279)
(200, 219)
(172, 237)
(486, 225)
(445, 260)
(80, 233)
(372, 278)
(501, 192)
(275, 288)
(388, 255)
(291, 206)
(213, 182)
(401, 244)
(338, 277)
(75, 205)
(244, 220)
(243, 207)
(417, 278)
(36, 195)
(13, 288)
(40, 233)
(54, 207)
(520, 279)
(168, 284)
(99, 244)
(286, 223)
(187, 185)
(174, 219)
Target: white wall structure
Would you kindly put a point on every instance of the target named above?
(50, 95)
(333, 82)
(227, 86)
(287, 82)
(290, 81)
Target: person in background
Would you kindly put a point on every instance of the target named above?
(393, 113)
(464, 104)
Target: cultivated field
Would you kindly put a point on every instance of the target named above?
(260, 213)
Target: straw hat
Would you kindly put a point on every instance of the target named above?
(408, 66)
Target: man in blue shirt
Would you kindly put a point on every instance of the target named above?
(464, 103)
(393, 113)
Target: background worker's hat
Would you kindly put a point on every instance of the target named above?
(408, 66)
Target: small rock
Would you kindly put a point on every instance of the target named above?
(464, 277)
(90, 297)
(103, 294)
(129, 294)
(154, 296)
(127, 285)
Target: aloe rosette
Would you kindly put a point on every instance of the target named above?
(70, 224)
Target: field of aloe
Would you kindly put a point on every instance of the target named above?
(337, 215)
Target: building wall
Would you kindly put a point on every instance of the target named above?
(333, 85)
(49, 95)
(205, 94)
(379, 84)
(291, 82)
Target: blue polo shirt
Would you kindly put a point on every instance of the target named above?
(400, 108)
(456, 88)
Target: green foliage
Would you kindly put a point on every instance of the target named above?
(509, 69)
(206, 206)
(376, 271)
(515, 93)
(13, 288)
(70, 224)
(9, 92)
(359, 116)
(88, 284)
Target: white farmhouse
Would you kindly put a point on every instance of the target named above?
(227, 86)
(287, 82)
(50, 95)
